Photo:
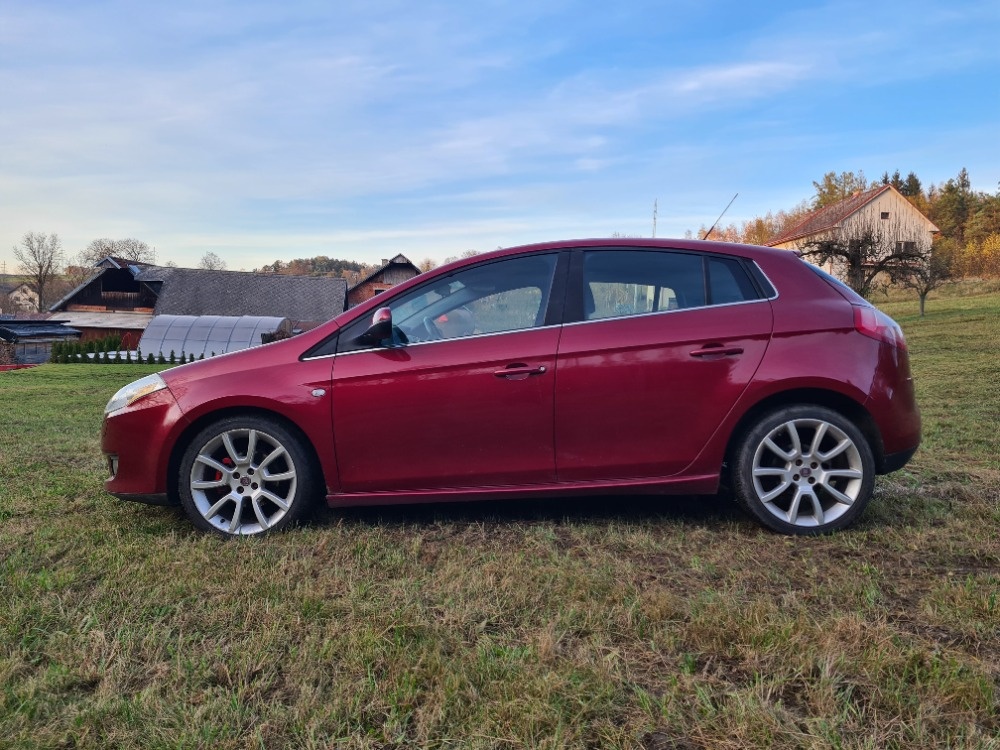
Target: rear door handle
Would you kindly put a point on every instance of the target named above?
(519, 371)
(717, 350)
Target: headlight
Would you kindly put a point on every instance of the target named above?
(134, 391)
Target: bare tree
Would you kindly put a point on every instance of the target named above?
(869, 255)
(465, 254)
(930, 273)
(40, 257)
(212, 262)
(130, 249)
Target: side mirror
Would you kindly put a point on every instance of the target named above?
(379, 330)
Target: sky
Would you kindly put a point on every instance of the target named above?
(266, 131)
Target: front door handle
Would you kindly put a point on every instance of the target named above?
(717, 350)
(519, 371)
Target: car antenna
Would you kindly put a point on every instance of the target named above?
(705, 236)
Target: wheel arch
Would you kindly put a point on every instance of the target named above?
(198, 424)
(838, 402)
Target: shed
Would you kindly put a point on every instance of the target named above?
(391, 272)
(29, 342)
(205, 334)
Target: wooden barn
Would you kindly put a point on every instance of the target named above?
(386, 276)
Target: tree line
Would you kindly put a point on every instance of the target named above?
(42, 260)
(321, 265)
(968, 220)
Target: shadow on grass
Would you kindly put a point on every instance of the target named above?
(599, 510)
(709, 511)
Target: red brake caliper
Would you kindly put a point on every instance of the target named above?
(227, 461)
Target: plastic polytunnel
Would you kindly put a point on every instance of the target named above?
(205, 334)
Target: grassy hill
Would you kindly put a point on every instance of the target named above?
(655, 622)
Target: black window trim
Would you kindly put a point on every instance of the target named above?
(553, 311)
(573, 311)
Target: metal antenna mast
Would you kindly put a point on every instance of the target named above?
(705, 236)
(654, 217)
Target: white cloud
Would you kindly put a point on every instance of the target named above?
(202, 125)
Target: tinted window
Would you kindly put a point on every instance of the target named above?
(627, 282)
(728, 282)
(632, 282)
(506, 295)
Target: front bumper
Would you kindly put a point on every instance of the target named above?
(136, 442)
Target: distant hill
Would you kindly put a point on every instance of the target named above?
(318, 266)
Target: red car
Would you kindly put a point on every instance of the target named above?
(569, 368)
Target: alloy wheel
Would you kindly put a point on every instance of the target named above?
(243, 481)
(807, 472)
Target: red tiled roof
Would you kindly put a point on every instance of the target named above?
(828, 217)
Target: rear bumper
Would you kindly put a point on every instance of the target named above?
(896, 461)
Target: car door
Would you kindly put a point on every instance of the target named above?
(464, 398)
(664, 344)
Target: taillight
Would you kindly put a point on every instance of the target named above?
(877, 325)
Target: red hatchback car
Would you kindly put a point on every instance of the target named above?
(569, 368)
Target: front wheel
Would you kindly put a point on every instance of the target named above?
(804, 470)
(246, 475)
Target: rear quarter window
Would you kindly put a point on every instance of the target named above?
(852, 296)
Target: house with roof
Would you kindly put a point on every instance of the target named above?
(122, 298)
(17, 296)
(392, 271)
(881, 211)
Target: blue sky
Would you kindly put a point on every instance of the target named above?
(264, 130)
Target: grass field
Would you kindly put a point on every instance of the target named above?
(657, 622)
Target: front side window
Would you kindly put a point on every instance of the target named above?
(505, 295)
(619, 283)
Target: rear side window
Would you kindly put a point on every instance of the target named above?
(619, 283)
(728, 282)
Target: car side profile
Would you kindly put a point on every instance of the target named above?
(562, 369)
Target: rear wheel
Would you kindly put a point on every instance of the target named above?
(804, 470)
(246, 475)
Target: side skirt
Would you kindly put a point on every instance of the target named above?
(705, 484)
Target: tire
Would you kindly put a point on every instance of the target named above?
(247, 475)
(804, 470)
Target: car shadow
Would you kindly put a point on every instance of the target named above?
(604, 509)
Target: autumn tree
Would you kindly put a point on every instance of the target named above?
(951, 206)
(931, 272)
(984, 218)
(40, 257)
(833, 188)
(465, 254)
(758, 230)
(212, 262)
(129, 249)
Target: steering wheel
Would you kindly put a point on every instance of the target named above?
(433, 332)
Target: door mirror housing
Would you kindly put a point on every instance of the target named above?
(379, 330)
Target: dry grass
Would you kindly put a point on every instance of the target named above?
(658, 623)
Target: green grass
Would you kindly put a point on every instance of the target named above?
(648, 622)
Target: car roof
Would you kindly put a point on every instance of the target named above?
(625, 243)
